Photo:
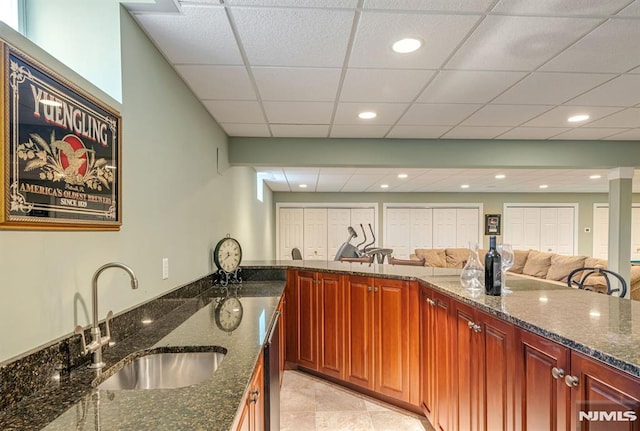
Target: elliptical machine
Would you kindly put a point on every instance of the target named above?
(350, 253)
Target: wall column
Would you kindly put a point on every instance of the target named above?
(620, 191)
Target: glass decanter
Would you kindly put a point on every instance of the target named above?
(472, 275)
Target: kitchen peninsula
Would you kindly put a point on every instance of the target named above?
(407, 335)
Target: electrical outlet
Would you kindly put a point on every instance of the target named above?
(165, 268)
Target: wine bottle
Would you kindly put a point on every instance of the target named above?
(493, 269)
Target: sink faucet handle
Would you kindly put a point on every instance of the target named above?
(107, 336)
(80, 331)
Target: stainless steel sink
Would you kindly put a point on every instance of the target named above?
(165, 371)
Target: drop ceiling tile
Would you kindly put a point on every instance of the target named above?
(541, 88)
(299, 131)
(299, 84)
(383, 85)
(432, 5)
(298, 112)
(622, 91)
(208, 41)
(332, 183)
(532, 132)
(518, 43)
(505, 115)
(218, 82)
(358, 131)
(626, 118)
(636, 70)
(459, 86)
(418, 132)
(557, 117)
(469, 132)
(278, 187)
(588, 133)
(387, 113)
(295, 3)
(600, 50)
(629, 135)
(294, 37)
(237, 129)
(235, 111)
(437, 114)
(360, 182)
(595, 8)
(377, 31)
(633, 10)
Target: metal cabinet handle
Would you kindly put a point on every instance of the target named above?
(255, 394)
(477, 328)
(369, 288)
(471, 324)
(571, 381)
(431, 302)
(375, 289)
(557, 373)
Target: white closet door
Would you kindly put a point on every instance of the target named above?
(444, 227)
(315, 234)
(398, 231)
(601, 232)
(531, 228)
(514, 227)
(421, 228)
(635, 233)
(364, 216)
(566, 231)
(549, 230)
(291, 231)
(467, 226)
(338, 220)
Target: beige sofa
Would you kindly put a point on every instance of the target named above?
(530, 263)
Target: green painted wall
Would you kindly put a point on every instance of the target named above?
(493, 204)
(175, 203)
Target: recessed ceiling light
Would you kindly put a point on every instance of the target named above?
(303, 186)
(403, 176)
(543, 186)
(407, 45)
(501, 177)
(595, 177)
(368, 115)
(384, 186)
(464, 186)
(578, 118)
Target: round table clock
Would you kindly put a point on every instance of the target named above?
(227, 254)
(228, 313)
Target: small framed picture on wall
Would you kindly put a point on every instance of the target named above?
(492, 224)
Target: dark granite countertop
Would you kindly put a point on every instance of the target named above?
(602, 327)
(211, 405)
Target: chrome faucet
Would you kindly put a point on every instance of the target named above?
(97, 340)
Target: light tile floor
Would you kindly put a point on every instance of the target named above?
(311, 404)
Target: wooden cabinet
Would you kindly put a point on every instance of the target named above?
(608, 399)
(543, 397)
(282, 338)
(483, 371)
(435, 358)
(252, 415)
(381, 336)
(318, 320)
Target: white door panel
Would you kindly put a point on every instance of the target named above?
(421, 228)
(566, 231)
(315, 234)
(398, 231)
(514, 227)
(635, 233)
(291, 231)
(467, 226)
(364, 217)
(601, 232)
(338, 220)
(444, 227)
(531, 231)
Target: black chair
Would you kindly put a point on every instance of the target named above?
(581, 280)
(295, 254)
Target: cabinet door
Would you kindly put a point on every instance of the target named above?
(392, 337)
(338, 220)
(543, 396)
(467, 226)
(315, 234)
(330, 325)
(428, 373)
(421, 228)
(256, 399)
(282, 338)
(608, 399)
(444, 331)
(467, 365)
(398, 231)
(444, 227)
(306, 339)
(359, 331)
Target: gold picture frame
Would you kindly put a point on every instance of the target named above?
(60, 163)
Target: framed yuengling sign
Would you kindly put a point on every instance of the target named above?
(60, 163)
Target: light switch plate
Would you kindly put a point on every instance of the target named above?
(165, 268)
